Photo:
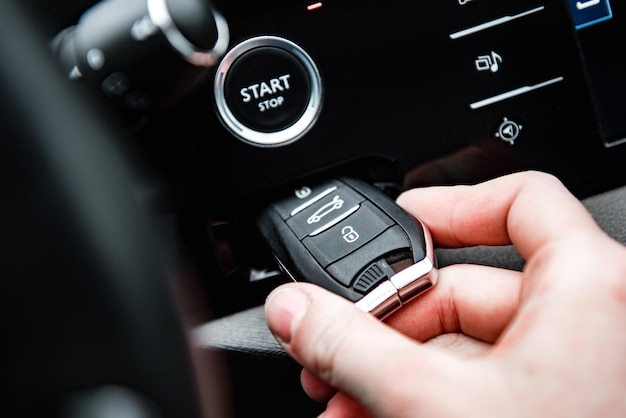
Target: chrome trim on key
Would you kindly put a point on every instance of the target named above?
(403, 286)
(382, 301)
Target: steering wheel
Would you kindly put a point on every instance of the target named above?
(91, 319)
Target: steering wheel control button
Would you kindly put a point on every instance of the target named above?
(268, 91)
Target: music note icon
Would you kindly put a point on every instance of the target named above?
(489, 62)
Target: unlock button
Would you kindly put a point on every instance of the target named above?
(348, 235)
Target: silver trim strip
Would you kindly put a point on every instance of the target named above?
(160, 16)
(381, 301)
(615, 143)
(513, 93)
(403, 286)
(492, 23)
(289, 134)
(407, 276)
(313, 200)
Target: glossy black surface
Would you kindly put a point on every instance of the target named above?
(403, 89)
(398, 89)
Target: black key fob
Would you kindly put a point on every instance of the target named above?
(352, 239)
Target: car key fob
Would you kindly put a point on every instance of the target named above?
(352, 239)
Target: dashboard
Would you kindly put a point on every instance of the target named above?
(444, 93)
(439, 94)
(402, 95)
(406, 95)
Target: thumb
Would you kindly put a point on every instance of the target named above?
(355, 353)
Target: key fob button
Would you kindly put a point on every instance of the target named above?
(324, 213)
(348, 235)
(346, 269)
(304, 196)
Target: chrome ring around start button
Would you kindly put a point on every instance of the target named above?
(281, 136)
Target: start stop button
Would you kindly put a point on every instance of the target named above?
(268, 91)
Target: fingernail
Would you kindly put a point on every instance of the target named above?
(284, 308)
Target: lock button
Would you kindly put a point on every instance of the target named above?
(349, 235)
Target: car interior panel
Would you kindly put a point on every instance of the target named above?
(144, 139)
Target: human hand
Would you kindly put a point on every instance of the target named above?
(548, 341)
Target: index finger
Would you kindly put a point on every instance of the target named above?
(526, 209)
